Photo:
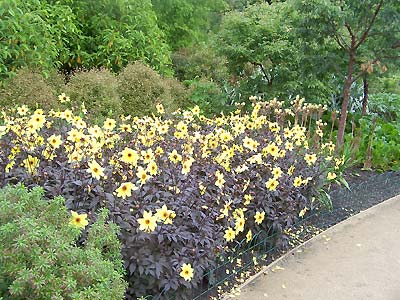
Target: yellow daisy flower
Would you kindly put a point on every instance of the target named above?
(259, 217)
(229, 234)
(148, 223)
(187, 272)
(129, 156)
(78, 220)
(271, 184)
(165, 215)
(331, 176)
(125, 190)
(95, 170)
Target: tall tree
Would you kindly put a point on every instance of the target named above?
(186, 21)
(262, 49)
(365, 32)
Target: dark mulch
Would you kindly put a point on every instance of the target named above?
(367, 188)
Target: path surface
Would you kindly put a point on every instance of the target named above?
(358, 259)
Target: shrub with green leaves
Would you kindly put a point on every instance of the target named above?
(378, 148)
(97, 90)
(30, 88)
(141, 88)
(208, 96)
(40, 257)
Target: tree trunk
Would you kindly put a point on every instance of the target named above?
(346, 97)
(365, 96)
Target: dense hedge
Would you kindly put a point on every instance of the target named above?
(184, 188)
(135, 90)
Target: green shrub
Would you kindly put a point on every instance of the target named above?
(208, 96)
(39, 258)
(383, 143)
(200, 61)
(98, 90)
(30, 88)
(141, 88)
(386, 105)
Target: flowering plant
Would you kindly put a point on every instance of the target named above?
(182, 188)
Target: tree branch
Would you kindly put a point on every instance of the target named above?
(350, 31)
(359, 75)
(262, 70)
(365, 34)
(340, 43)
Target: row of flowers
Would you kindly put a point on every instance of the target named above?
(182, 188)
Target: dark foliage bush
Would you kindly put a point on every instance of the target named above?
(217, 180)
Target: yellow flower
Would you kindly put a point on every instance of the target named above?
(239, 224)
(259, 217)
(31, 163)
(159, 151)
(289, 146)
(220, 179)
(163, 129)
(125, 190)
(95, 170)
(229, 234)
(249, 236)
(129, 156)
(55, 141)
(271, 184)
(291, 170)
(109, 124)
(297, 181)
(148, 223)
(277, 172)
(303, 212)
(331, 175)
(174, 156)
(186, 165)
(196, 110)
(147, 155)
(310, 159)
(272, 149)
(63, 98)
(78, 220)
(160, 108)
(125, 128)
(187, 272)
(165, 215)
(152, 168)
(142, 174)
(37, 121)
(250, 144)
(22, 110)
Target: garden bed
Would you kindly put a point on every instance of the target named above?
(367, 188)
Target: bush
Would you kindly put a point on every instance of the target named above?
(141, 88)
(183, 189)
(375, 144)
(98, 90)
(200, 61)
(30, 88)
(39, 258)
(208, 96)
